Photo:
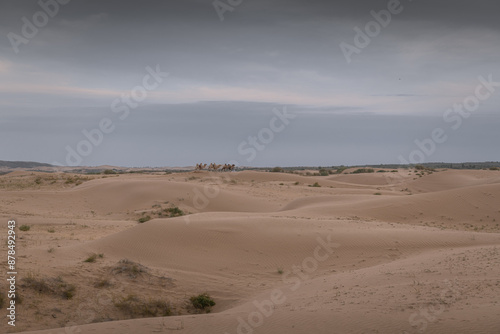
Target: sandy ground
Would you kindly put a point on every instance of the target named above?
(392, 252)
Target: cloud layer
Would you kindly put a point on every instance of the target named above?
(225, 77)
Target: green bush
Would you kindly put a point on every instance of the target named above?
(277, 170)
(109, 171)
(25, 228)
(316, 185)
(144, 219)
(174, 212)
(93, 257)
(323, 172)
(340, 170)
(364, 170)
(202, 302)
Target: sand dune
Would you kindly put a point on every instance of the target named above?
(277, 255)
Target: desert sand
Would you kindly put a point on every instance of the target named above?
(391, 252)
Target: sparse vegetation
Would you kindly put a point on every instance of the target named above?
(340, 170)
(316, 185)
(128, 268)
(377, 194)
(297, 183)
(277, 170)
(24, 228)
(49, 286)
(93, 257)
(173, 212)
(51, 230)
(280, 271)
(202, 302)
(109, 171)
(170, 212)
(494, 168)
(136, 307)
(364, 170)
(102, 283)
(323, 172)
(144, 219)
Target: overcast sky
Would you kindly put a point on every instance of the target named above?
(296, 76)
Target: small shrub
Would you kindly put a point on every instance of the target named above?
(50, 250)
(136, 307)
(51, 230)
(277, 170)
(24, 228)
(363, 170)
(377, 194)
(280, 271)
(340, 170)
(129, 268)
(174, 212)
(316, 185)
(68, 291)
(202, 302)
(144, 219)
(323, 172)
(109, 171)
(93, 257)
(49, 286)
(296, 183)
(103, 283)
(494, 168)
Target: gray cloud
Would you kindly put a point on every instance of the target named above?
(269, 54)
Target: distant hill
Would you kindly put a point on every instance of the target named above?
(23, 164)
